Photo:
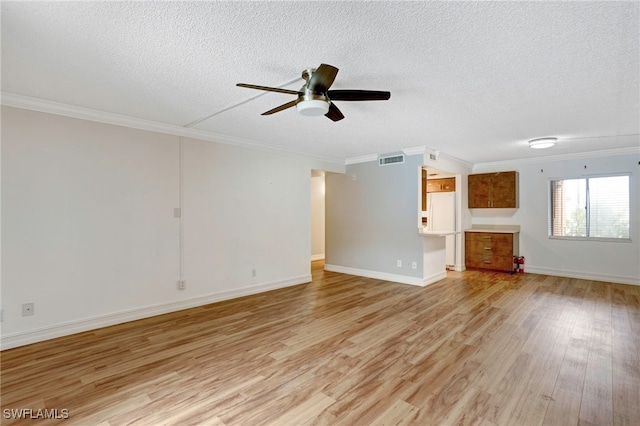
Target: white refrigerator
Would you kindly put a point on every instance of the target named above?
(441, 217)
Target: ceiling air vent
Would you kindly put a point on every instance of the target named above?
(391, 159)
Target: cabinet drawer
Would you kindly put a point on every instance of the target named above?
(504, 263)
(488, 236)
(480, 243)
(486, 248)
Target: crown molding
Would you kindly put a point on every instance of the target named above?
(50, 107)
(563, 157)
(457, 160)
(424, 150)
(361, 159)
(418, 150)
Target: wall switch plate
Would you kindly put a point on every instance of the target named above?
(177, 212)
(253, 272)
(28, 309)
(414, 265)
(399, 263)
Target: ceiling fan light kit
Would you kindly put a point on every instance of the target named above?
(315, 98)
(312, 107)
(542, 143)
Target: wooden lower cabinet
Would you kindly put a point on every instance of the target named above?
(491, 250)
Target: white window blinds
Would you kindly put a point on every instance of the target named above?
(591, 207)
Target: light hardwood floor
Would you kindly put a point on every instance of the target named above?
(476, 348)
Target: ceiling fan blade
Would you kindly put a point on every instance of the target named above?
(280, 108)
(268, 89)
(323, 78)
(334, 113)
(358, 95)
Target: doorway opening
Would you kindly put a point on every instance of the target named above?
(317, 215)
(440, 209)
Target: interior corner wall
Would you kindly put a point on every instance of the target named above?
(372, 219)
(603, 261)
(317, 218)
(89, 234)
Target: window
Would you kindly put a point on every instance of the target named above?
(590, 208)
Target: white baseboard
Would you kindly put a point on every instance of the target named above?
(14, 340)
(403, 279)
(317, 257)
(434, 278)
(459, 268)
(583, 275)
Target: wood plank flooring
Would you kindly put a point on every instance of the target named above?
(477, 348)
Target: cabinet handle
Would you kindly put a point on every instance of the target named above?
(487, 248)
(487, 237)
(487, 261)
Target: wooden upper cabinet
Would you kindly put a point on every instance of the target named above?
(493, 190)
(441, 185)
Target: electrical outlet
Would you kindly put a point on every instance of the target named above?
(414, 265)
(182, 284)
(28, 309)
(399, 263)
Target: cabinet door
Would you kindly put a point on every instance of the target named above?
(449, 185)
(504, 187)
(479, 190)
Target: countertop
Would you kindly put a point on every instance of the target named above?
(436, 233)
(499, 229)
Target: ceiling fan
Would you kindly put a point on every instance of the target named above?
(315, 98)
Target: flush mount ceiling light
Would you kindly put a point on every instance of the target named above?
(542, 143)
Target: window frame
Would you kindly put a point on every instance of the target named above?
(586, 238)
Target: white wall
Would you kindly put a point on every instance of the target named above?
(317, 218)
(605, 261)
(244, 210)
(87, 219)
(89, 233)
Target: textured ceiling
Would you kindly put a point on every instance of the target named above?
(474, 80)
